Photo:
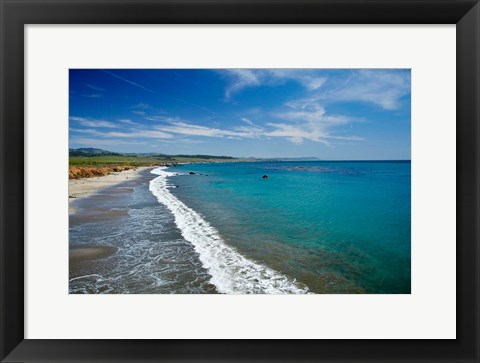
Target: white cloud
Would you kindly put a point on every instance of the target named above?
(384, 88)
(189, 129)
(95, 88)
(85, 131)
(130, 134)
(297, 122)
(247, 120)
(92, 122)
(162, 118)
(243, 78)
(309, 125)
(102, 143)
(309, 121)
(127, 121)
(248, 131)
(313, 83)
(307, 131)
(151, 134)
(296, 134)
(314, 113)
(380, 87)
(307, 78)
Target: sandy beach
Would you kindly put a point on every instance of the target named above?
(80, 188)
(83, 255)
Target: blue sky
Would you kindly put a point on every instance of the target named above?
(356, 114)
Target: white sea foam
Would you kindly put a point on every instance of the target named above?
(231, 272)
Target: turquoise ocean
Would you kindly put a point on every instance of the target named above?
(311, 227)
(334, 227)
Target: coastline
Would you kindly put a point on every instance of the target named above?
(231, 272)
(81, 188)
(85, 254)
(121, 240)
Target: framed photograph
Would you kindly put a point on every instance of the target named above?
(239, 181)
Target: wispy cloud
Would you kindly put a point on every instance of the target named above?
(127, 134)
(141, 106)
(88, 122)
(103, 143)
(151, 134)
(190, 129)
(312, 124)
(383, 88)
(307, 131)
(93, 95)
(309, 79)
(140, 113)
(241, 78)
(297, 134)
(162, 118)
(315, 114)
(95, 88)
(246, 120)
(309, 122)
(127, 121)
(132, 83)
(244, 78)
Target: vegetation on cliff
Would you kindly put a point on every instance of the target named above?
(90, 162)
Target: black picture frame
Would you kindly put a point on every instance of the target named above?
(15, 14)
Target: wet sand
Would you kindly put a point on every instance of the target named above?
(80, 188)
(104, 189)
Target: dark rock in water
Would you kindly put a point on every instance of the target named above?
(265, 177)
(192, 173)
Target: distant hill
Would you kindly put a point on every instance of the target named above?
(90, 151)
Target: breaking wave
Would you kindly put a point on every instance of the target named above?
(231, 272)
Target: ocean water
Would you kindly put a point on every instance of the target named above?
(311, 227)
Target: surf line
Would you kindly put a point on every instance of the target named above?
(231, 273)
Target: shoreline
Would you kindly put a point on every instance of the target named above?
(81, 188)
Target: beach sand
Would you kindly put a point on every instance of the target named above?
(80, 188)
(81, 257)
